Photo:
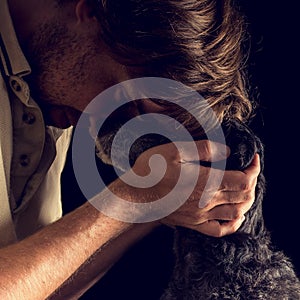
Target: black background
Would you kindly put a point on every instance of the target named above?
(274, 69)
(274, 74)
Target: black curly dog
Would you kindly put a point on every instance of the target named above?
(242, 266)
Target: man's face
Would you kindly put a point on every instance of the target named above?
(70, 65)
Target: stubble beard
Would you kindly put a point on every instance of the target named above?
(57, 60)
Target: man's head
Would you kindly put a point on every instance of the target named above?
(69, 62)
(78, 48)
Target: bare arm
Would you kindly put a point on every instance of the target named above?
(89, 273)
(201, 220)
(37, 266)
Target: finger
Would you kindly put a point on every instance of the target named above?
(216, 229)
(195, 217)
(229, 212)
(241, 180)
(207, 151)
(233, 197)
(230, 227)
(187, 219)
(254, 167)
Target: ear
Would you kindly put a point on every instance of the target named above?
(84, 11)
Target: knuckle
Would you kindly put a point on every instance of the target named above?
(218, 229)
(229, 228)
(236, 227)
(234, 212)
(192, 221)
(219, 232)
(208, 146)
(237, 224)
(215, 234)
(237, 213)
(253, 181)
(245, 186)
(231, 198)
(197, 218)
(206, 149)
(247, 197)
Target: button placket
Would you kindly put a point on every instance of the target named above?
(28, 139)
(20, 88)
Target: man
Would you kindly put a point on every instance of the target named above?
(66, 66)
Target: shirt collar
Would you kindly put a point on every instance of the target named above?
(11, 55)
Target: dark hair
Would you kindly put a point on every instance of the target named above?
(197, 42)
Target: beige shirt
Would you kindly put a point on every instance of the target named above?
(32, 156)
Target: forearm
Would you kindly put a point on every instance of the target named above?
(35, 267)
(96, 267)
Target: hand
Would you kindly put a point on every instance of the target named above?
(227, 201)
(233, 199)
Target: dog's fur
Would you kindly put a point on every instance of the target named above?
(243, 265)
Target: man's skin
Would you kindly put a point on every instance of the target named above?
(68, 71)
